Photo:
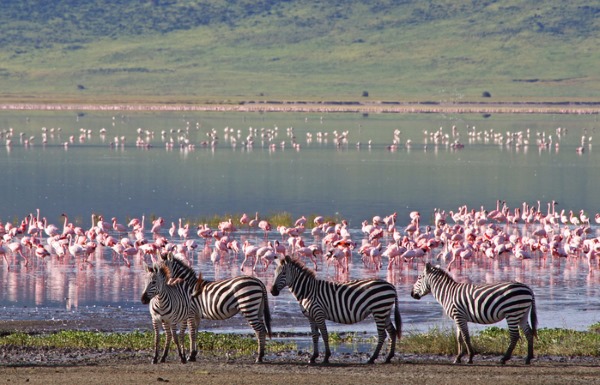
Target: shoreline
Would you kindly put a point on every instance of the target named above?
(572, 108)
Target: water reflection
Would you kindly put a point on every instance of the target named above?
(346, 166)
(567, 294)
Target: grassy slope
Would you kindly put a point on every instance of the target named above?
(300, 50)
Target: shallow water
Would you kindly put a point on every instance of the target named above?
(54, 289)
(294, 165)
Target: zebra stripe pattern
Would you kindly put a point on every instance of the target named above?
(482, 304)
(219, 300)
(346, 303)
(170, 306)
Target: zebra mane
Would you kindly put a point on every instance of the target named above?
(178, 265)
(299, 265)
(438, 271)
(165, 270)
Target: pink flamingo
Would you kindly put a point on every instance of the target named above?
(183, 231)
(265, 226)
(265, 255)
(16, 247)
(41, 252)
(118, 227)
(244, 219)
(157, 226)
(254, 222)
(249, 251)
(102, 225)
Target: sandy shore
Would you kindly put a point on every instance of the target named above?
(579, 108)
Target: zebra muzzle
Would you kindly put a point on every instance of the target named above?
(274, 291)
(415, 295)
(145, 299)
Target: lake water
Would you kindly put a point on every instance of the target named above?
(197, 165)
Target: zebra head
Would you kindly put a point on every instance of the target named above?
(281, 279)
(155, 275)
(422, 287)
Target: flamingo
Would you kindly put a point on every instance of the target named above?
(118, 227)
(41, 252)
(157, 226)
(249, 251)
(265, 226)
(265, 255)
(183, 231)
(16, 247)
(4, 251)
(244, 219)
(102, 225)
(50, 229)
(254, 222)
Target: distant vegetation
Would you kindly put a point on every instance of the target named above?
(232, 50)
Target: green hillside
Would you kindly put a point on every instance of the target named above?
(228, 50)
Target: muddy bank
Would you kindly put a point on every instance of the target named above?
(59, 366)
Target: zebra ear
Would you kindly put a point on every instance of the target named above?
(146, 267)
(288, 259)
(428, 267)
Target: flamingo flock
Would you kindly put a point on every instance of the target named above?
(186, 138)
(451, 237)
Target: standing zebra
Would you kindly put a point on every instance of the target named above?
(220, 300)
(482, 304)
(346, 303)
(170, 305)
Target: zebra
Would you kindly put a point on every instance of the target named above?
(220, 300)
(347, 303)
(482, 304)
(170, 306)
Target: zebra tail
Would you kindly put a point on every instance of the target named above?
(267, 312)
(533, 316)
(397, 319)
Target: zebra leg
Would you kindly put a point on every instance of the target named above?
(325, 336)
(529, 335)
(513, 330)
(315, 337)
(381, 327)
(181, 341)
(459, 341)
(257, 323)
(193, 326)
(180, 350)
(156, 342)
(392, 333)
(462, 336)
(261, 336)
(168, 337)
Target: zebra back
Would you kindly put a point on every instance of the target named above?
(348, 302)
(483, 304)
